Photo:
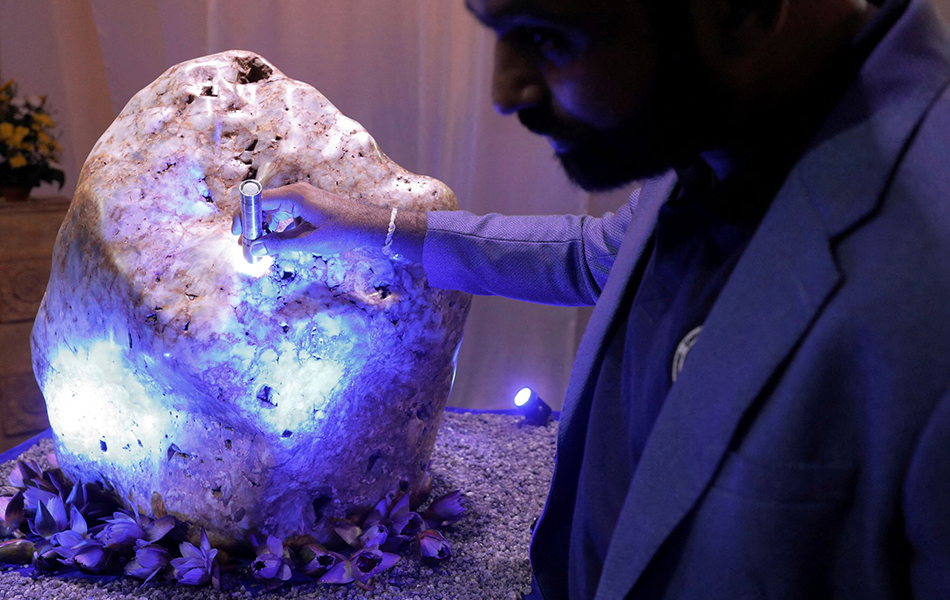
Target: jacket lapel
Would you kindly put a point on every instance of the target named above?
(549, 544)
(778, 288)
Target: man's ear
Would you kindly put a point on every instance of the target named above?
(746, 24)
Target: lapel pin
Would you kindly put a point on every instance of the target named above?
(685, 345)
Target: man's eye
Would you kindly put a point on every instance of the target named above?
(551, 44)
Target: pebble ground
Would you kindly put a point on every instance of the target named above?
(501, 467)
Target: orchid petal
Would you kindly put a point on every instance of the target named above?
(189, 551)
(446, 509)
(58, 510)
(400, 507)
(12, 511)
(76, 521)
(205, 544)
(374, 537)
(91, 556)
(317, 560)
(68, 538)
(348, 531)
(380, 511)
(339, 573)
(275, 546)
(433, 547)
(408, 523)
(35, 496)
(44, 524)
(157, 529)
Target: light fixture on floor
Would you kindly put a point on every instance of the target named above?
(534, 409)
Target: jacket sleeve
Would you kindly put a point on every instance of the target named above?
(562, 260)
(926, 504)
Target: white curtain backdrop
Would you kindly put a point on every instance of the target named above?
(415, 73)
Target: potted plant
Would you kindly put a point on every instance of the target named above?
(28, 150)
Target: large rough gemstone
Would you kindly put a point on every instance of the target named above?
(268, 398)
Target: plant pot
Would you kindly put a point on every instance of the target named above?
(15, 193)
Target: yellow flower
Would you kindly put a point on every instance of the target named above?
(27, 147)
(6, 131)
(4, 98)
(17, 161)
(56, 146)
(43, 137)
(43, 120)
(6, 85)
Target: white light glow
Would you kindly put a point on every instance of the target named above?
(108, 403)
(522, 397)
(235, 255)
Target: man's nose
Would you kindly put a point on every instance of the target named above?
(517, 83)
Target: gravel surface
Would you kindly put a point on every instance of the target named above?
(502, 468)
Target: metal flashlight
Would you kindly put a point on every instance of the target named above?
(252, 216)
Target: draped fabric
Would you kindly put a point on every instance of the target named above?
(415, 73)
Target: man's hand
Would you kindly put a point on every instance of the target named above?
(324, 224)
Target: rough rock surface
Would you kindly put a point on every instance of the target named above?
(266, 398)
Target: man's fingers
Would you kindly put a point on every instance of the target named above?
(295, 239)
(236, 228)
(282, 203)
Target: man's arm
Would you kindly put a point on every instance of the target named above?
(562, 260)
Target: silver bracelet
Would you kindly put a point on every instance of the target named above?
(387, 245)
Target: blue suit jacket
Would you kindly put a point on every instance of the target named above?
(804, 450)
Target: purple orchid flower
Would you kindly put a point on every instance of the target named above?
(71, 538)
(374, 536)
(54, 481)
(23, 473)
(92, 501)
(198, 565)
(92, 555)
(388, 508)
(149, 561)
(121, 531)
(11, 513)
(445, 510)
(433, 547)
(46, 557)
(50, 518)
(403, 532)
(271, 566)
(317, 561)
(339, 573)
(33, 497)
(369, 562)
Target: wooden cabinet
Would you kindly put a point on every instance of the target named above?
(27, 233)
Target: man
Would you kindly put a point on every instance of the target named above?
(760, 407)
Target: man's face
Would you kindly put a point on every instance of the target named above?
(613, 86)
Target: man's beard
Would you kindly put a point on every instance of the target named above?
(670, 130)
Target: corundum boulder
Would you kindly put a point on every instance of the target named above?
(267, 398)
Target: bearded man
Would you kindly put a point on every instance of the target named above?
(760, 406)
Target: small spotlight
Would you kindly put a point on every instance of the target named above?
(534, 409)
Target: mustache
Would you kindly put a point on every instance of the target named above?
(540, 121)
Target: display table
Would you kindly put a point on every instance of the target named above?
(26, 250)
(502, 468)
